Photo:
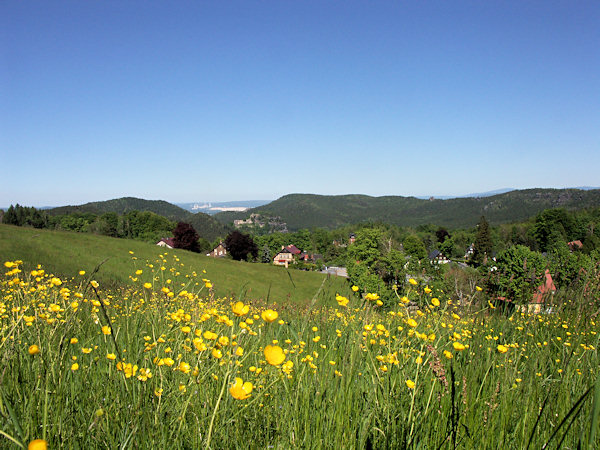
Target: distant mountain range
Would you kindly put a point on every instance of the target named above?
(309, 210)
(300, 211)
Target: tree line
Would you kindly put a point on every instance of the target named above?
(509, 261)
(144, 226)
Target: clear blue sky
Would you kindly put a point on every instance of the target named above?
(237, 100)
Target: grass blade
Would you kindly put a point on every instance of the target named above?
(595, 415)
(575, 408)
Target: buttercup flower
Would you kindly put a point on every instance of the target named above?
(240, 390)
(458, 346)
(37, 444)
(239, 309)
(274, 354)
(269, 315)
(342, 301)
(34, 349)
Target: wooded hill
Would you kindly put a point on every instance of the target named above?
(206, 226)
(308, 210)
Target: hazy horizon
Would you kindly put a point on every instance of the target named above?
(265, 201)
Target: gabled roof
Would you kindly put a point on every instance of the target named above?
(293, 249)
(575, 244)
(168, 241)
(434, 254)
(547, 288)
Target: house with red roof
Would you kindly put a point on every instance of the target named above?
(286, 256)
(543, 293)
(166, 242)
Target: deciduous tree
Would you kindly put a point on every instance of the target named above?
(241, 246)
(185, 237)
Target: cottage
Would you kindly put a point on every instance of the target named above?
(286, 256)
(470, 251)
(437, 257)
(309, 257)
(575, 245)
(166, 242)
(542, 294)
(220, 251)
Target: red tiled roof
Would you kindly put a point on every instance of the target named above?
(168, 241)
(546, 288)
(293, 249)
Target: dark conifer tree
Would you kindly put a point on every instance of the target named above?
(10, 217)
(483, 243)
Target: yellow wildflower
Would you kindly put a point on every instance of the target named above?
(274, 354)
(34, 349)
(458, 346)
(240, 390)
(269, 315)
(37, 444)
(239, 309)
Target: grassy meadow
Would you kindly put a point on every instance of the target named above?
(163, 359)
(66, 253)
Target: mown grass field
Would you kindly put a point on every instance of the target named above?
(66, 253)
(167, 363)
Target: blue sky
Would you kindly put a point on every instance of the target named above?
(234, 100)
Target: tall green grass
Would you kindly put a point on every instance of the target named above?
(349, 386)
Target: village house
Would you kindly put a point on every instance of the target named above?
(437, 257)
(470, 251)
(351, 240)
(286, 256)
(543, 293)
(309, 257)
(218, 252)
(542, 296)
(166, 242)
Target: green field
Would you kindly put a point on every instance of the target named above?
(150, 357)
(66, 253)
